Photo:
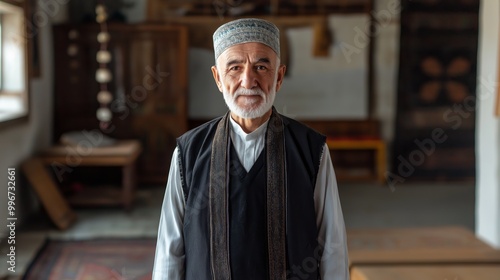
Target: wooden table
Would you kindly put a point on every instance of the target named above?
(123, 153)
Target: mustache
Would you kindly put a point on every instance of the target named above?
(244, 91)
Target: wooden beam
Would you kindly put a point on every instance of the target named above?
(161, 9)
(498, 104)
(322, 39)
(497, 109)
(372, 101)
(201, 28)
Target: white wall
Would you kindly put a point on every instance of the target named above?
(333, 87)
(385, 78)
(488, 127)
(20, 141)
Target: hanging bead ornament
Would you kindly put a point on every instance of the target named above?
(103, 56)
(103, 37)
(72, 53)
(104, 114)
(103, 74)
(73, 50)
(73, 34)
(104, 97)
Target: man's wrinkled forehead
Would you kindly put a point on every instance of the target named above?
(248, 52)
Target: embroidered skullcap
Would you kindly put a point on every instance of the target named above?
(246, 30)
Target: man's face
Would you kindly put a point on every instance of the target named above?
(249, 75)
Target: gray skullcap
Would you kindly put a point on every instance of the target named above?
(246, 30)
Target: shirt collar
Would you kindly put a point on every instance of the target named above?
(259, 132)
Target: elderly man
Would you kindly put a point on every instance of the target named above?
(252, 194)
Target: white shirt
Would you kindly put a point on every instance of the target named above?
(169, 259)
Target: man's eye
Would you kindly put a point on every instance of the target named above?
(261, 67)
(234, 68)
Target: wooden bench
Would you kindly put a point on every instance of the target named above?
(417, 245)
(427, 272)
(377, 146)
(122, 154)
(348, 137)
(419, 253)
(64, 158)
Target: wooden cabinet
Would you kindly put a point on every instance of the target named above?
(149, 86)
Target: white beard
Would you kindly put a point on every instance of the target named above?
(251, 109)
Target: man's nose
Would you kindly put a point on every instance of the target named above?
(249, 78)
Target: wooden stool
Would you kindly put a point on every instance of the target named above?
(123, 153)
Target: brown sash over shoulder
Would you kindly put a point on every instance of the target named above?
(276, 205)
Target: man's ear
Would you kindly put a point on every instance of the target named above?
(215, 73)
(281, 76)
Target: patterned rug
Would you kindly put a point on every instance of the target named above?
(102, 259)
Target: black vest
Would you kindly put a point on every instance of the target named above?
(247, 205)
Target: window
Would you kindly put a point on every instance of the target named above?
(13, 63)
